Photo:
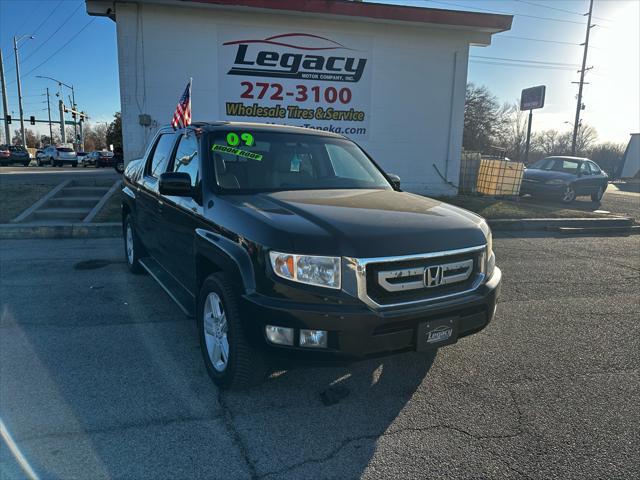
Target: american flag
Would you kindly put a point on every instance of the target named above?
(182, 115)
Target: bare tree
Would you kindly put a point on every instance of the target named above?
(512, 136)
(551, 142)
(586, 139)
(30, 138)
(95, 137)
(483, 119)
(608, 155)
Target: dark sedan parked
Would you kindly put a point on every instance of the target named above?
(564, 178)
(17, 154)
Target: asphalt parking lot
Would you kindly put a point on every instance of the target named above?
(101, 377)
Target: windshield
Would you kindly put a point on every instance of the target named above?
(556, 165)
(259, 161)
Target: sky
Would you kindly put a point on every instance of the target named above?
(545, 39)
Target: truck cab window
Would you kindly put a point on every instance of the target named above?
(160, 157)
(186, 159)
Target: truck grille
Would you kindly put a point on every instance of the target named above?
(406, 281)
(393, 281)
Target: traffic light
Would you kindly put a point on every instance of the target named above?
(32, 120)
(8, 118)
(73, 115)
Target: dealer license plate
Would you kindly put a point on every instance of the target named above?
(437, 333)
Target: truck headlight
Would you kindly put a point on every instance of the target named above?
(309, 269)
(488, 257)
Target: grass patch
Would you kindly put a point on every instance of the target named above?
(16, 198)
(111, 211)
(494, 208)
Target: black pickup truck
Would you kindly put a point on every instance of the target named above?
(293, 243)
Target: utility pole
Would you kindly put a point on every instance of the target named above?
(63, 134)
(75, 123)
(583, 70)
(15, 52)
(5, 105)
(49, 111)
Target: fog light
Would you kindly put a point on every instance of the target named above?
(313, 338)
(279, 335)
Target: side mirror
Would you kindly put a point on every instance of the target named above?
(395, 181)
(175, 183)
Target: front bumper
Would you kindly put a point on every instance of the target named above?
(357, 331)
(544, 189)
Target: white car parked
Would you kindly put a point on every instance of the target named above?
(57, 156)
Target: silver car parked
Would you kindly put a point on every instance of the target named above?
(57, 156)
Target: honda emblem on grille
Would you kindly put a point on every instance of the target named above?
(433, 276)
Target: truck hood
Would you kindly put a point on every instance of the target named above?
(361, 223)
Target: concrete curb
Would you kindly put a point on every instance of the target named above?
(629, 230)
(546, 224)
(71, 230)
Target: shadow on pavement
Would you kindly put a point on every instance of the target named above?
(107, 377)
(286, 417)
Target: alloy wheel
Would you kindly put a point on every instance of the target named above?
(216, 332)
(569, 195)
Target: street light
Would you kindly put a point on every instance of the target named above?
(73, 99)
(16, 40)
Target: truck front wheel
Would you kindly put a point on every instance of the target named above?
(231, 362)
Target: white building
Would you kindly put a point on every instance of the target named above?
(391, 77)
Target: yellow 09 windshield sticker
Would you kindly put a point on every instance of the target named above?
(238, 152)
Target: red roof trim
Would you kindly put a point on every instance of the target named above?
(378, 11)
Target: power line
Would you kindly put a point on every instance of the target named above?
(560, 9)
(515, 37)
(60, 49)
(559, 42)
(63, 24)
(550, 19)
(535, 62)
(522, 65)
(48, 17)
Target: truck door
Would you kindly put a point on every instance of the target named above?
(149, 203)
(182, 215)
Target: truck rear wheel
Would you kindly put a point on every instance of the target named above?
(231, 362)
(132, 248)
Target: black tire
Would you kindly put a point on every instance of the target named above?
(133, 261)
(38, 162)
(51, 162)
(246, 366)
(26, 164)
(74, 164)
(569, 195)
(596, 197)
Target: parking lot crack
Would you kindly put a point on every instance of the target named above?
(399, 431)
(228, 420)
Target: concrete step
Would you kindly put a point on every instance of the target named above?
(82, 192)
(62, 214)
(72, 202)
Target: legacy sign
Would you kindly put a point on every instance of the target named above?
(301, 79)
